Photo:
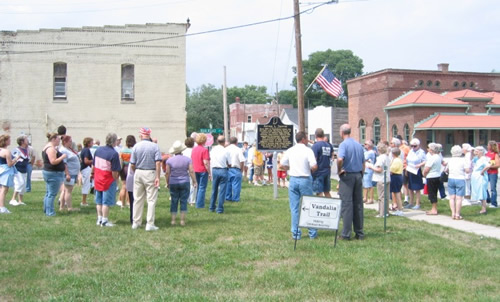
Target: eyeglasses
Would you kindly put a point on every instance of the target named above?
(414, 146)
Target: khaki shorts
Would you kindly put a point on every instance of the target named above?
(258, 170)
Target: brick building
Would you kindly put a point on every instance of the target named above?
(244, 117)
(370, 95)
(94, 80)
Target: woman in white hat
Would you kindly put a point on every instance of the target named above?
(179, 169)
(415, 161)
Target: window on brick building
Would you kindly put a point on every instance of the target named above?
(421, 83)
(471, 85)
(60, 73)
(394, 130)
(455, 84)
(376, 130)
(429, 83)
(362, 130)
(464, 84)
(437, 83)
(128, 82)
(406, 132)
(249, 118)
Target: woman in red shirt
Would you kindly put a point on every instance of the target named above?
(493, 173)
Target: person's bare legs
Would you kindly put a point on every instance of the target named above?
(453, 207)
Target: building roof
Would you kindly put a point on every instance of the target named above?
(424, 98)
(495, 98)
(468, 95)
(293, 115)
(441, 121)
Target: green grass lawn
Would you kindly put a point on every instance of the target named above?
(245, 254)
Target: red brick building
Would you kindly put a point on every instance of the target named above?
(241, 115)
(385, 103)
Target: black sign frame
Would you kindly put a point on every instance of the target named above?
(274, 136)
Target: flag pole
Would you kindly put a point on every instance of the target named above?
(326, 65)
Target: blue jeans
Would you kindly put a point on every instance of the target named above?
(233, 184)
(298, 187)
(492, 197)
(29, 170)
(219, 180)
(202, 180)
(53, 181)
(179, 193)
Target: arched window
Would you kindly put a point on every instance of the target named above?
(60, 80)
(394, 130)
(406, 132)
(362, 130)
(128, 82)
(376, 130)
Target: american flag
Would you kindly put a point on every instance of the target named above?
(330, 83)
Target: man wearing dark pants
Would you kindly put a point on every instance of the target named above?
(323, 152)
(350, 163)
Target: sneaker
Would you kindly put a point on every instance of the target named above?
(21, 203)
(119, 203)
(4, 210)
(408, 206)
(107, 224)
(135, 226)
(14, 202)
(84, 204)
(493, 206)
(151, 227)
(417, 207)
(98, 222)
(381, 216)
(398, 213)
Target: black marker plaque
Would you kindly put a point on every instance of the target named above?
(274, 136)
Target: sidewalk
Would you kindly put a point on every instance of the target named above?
(462, 225)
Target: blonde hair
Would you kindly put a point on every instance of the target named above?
(51, 136)
(201, 138)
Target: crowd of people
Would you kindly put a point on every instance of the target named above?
(394, 168)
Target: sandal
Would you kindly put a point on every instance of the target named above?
(430, 213)
(482, 213)
(458, 217)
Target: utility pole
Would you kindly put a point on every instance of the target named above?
(298, 53)
(224, 101)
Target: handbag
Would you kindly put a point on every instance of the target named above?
(443, 177)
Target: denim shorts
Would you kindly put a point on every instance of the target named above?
(456, 187)
(108, 197)
(71, 181)
(321, 184)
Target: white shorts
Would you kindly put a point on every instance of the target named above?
(86, 180)
(20, 182)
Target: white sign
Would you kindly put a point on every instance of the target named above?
(320, 212)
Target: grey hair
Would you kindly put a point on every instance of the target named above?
(396, 141)
(456, 151)
(480, 149)
(434, 148)
(111, 139)
(382, 148)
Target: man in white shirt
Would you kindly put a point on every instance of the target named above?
(219, 161)
(236, 164)
(300, 162)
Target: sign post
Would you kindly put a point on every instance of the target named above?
(274, 137)
(320, 213)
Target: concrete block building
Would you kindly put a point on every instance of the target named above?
(94, 80)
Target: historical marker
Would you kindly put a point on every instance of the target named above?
(274, 136)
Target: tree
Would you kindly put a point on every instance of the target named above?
(204, 107)
(343, 63)
(250, 94)
(288, 97)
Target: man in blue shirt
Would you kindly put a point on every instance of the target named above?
(351, 164)
(323, 152)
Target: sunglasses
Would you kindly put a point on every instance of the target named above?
(414, 146)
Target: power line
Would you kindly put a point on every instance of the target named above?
(310, 10)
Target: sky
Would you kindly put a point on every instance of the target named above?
(383, 33)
